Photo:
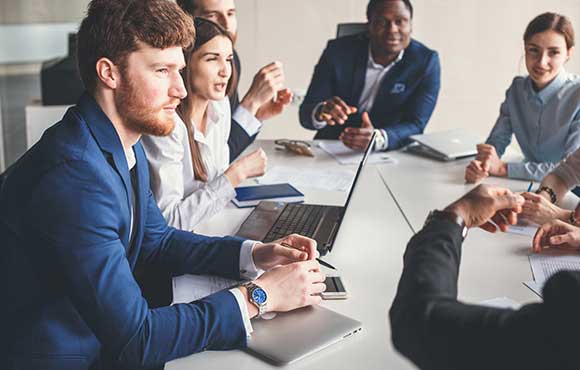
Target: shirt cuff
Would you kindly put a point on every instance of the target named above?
(316, 123)
(248, 270)
(247, 121)
(386, 137)
(243, 310)
(518, 171)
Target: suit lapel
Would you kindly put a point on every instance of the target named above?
(141, 194)
(108, 140)
(360, 70)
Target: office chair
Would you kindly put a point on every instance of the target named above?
(346, 29)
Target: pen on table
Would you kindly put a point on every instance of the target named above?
(530, 187)
(325, 264)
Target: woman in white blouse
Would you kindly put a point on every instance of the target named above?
(191, 177)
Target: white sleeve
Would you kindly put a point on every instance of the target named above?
(247, 121)
(316, 123)
(569, 170)
(165, 156)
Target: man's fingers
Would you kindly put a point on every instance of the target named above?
(354, 143)
(317, 288)
(501, 221)
(313, 300)
(338, 113)
(509, 200)
(536, 241)
(316, 277)
(290, 253)
(567, 238)
(305, 244)
(366, 121)
(489, 227)
(345, 107)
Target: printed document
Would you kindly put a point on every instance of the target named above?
(331, 180)
(188, 288)
(344, 155)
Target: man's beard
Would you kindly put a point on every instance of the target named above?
(138, 115)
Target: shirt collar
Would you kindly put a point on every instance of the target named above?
(548, 91)
(371, 62)
(214, 116)
(131, 160)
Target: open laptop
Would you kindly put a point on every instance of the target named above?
(293, 335)
(445, 145)
(273, 220)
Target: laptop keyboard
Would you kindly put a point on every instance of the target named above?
(296, 218)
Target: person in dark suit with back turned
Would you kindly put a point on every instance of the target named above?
(77, 217)
(378, 80)
(437, 332)
(267, 97)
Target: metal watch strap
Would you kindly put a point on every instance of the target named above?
(449, 216)
(251, 286)
(550, 191)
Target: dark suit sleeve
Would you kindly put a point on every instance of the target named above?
(239, 139)
(182, 252)
(74, 220)
(320, 89)
(435, 331)
(417, 111)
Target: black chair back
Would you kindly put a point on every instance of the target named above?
(346, 29)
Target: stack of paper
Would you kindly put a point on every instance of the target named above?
(546, 264)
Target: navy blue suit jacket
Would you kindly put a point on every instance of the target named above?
(69, 298)
(406, 98)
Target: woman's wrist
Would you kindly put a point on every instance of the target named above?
(234, 174)
(503, 169)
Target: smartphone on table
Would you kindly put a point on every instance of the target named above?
(334, 288)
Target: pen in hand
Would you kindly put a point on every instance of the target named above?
(530, 187)
(323, 263)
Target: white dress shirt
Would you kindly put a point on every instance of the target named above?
(187, 201)
(373, 77)
(183, 200)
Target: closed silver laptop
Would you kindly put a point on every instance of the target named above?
(446, 145)
(291, 336)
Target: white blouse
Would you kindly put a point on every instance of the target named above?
(183, 200)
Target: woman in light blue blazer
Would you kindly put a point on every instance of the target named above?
(542, 109)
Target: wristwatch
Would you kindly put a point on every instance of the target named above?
(449, 216)
(257, 296)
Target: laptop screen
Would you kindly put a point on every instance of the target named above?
(365, 157)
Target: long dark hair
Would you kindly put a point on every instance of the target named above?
(205, 31)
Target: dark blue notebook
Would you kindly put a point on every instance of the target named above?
(249, 196)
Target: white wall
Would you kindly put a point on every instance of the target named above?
(479, 42)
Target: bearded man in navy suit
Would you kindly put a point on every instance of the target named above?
(380, 80)
(77, 218)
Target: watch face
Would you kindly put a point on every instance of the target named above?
(259, 296)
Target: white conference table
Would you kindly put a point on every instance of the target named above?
(368, 253)
(390, 203)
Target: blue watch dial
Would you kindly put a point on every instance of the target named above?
(259, 296)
